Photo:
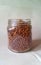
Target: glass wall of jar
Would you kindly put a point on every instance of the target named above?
(19, 35)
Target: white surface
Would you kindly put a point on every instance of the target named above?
(8, 57)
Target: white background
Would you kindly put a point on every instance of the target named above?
(7, 12)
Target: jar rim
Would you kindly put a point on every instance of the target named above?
(12, 20)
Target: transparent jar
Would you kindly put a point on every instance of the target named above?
(19, 35)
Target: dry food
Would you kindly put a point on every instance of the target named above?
(20, 37)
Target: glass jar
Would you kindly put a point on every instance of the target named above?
(19, 35)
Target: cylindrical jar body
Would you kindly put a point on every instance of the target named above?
(19, 34)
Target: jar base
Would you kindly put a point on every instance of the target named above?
(18, 51)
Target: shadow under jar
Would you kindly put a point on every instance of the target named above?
(19, 35)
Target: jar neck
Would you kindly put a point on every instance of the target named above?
(16, 22)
